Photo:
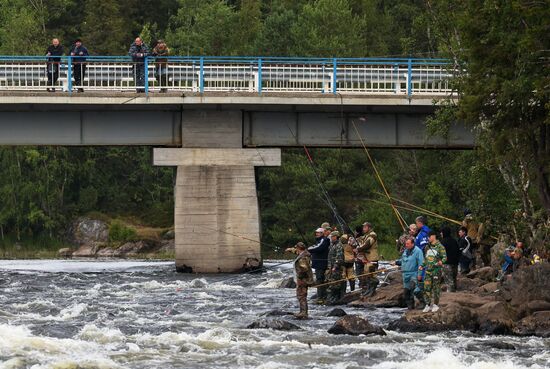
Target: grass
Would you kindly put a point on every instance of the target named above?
(41, 247)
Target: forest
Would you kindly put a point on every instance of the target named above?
(499, 51)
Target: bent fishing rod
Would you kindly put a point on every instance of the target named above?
(357, 276)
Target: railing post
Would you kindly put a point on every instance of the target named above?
(334, 75)
(201, 75)
(259, 76)
(409, 77)
(69, 74)
(146, 74)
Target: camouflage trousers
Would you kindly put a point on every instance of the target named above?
(432, 285)
(301, 295)
(335, 291)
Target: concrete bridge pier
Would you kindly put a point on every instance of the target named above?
(215, 193)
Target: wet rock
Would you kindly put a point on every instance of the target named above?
(288, 283)
(487, 288)
(138, 247)
(337, 312)
(452, 317)
(275, 324)
(85, 251)
(65, 252)
(277, 313)
(537, 305)
(537, 324)
(355, 325)
(87, 231)
(349, 297)
(487, 274)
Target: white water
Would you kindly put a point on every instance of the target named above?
(132, 314)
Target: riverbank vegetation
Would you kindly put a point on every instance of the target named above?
(502, 47)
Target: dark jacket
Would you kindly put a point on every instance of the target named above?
(452, 250)
(465, 247)
(138, 53)
(54, 51)
(80, 53)
(319, 253)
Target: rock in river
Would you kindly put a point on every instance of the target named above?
(355, 325)
(276, 324)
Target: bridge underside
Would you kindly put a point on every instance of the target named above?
(215, 142)
(267, 121)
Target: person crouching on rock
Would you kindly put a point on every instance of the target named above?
(303, 276)
(433, 265)
(411, 267)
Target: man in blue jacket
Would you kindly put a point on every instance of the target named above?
(139, 51)
(422, 239)
(410, 262)
(319, 262)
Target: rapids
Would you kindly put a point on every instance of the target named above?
(137, 314)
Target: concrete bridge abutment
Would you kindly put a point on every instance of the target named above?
(216, 215)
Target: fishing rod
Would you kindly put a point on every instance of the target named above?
(296, 224)
(400, 218)
(328, 200)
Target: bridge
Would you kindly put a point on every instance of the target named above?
(215, 119)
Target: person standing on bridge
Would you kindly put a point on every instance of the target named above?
(139, 52)
(319, 253)
(54, 51)
(160, 52)
(79, 53)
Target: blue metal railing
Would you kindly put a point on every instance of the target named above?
(368, 76)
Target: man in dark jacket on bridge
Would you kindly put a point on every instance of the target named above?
(139, 51)
(79, 53)
(319, 262)
(54, 51)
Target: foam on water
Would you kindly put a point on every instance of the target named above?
(83, 266)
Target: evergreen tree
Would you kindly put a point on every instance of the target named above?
(104, 28)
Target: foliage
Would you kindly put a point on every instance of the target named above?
(119, 232)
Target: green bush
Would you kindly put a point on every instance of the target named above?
(119, 232)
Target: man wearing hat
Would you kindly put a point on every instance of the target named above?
(303, 277)
(335, 269)
(319, 255)
(79, 53)
(367, 255)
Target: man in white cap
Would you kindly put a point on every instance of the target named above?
(319, 257)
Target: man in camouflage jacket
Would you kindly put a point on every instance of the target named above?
(303, 276)
(367, 256)
(435, 257)
(335, 269)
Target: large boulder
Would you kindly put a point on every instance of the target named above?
(337, 312)
(537, 324)
(276, 324)
(487, 274)
(497, 254)
(386, 297)
(65, 252)
(468, 284)
(136, 248)
(85, 251)
(451, 317)
(87, 231)
(530, 283)
(355, 325)
(106, 252)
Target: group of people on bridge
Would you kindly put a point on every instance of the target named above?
(427, 258)
(138, 51)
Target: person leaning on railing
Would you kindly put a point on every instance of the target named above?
(139, 51)
(79, 53)
(161, 64)
(54, 51)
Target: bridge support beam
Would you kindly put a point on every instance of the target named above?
(216, 217)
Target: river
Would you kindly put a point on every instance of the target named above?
(140, 314)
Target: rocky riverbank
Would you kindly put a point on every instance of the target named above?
(518, 306)
(92, 238)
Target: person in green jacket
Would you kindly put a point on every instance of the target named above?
(434, 259)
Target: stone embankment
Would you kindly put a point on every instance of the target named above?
(90, 239)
